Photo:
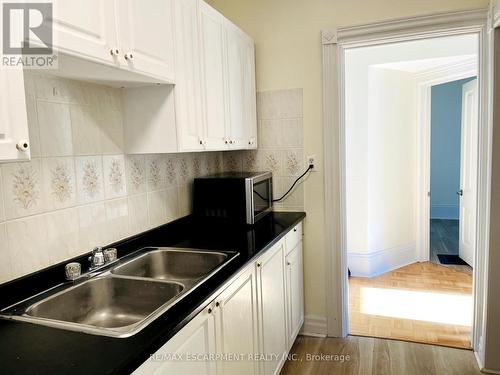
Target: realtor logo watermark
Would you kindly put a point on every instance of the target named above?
(27, 36)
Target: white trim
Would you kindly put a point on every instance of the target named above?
(382, 261)
(425, 82)
(314, 325)
(432, 26)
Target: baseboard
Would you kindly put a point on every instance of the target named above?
(314, 325)
(445, 211)
(382, 261)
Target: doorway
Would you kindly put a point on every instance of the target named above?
(394, 293)
(453, 173)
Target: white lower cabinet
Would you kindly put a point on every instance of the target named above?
(271, 294)
(248, 327)
(236, 326)
(295, 292)
(190, 351)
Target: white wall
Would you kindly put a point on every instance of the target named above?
(386, 145)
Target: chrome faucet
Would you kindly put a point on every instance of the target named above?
(97, 258)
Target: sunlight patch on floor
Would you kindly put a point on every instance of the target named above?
(425, 306)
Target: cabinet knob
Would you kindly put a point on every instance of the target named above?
(217, 304)
(226, 141)
(231, 141)
(288, 263)
(295, 229)
(114, 51)
(23, 145)
(259, 264)
(209, 310)
(129, 56)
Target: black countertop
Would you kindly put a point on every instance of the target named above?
(27, 348)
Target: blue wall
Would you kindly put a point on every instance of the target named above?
(446, 118)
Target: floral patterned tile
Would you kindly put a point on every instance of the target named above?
(271, 160)
(232, 161)
(185, 169)
(89, 179)
(250, 161)
(155, 172)
(294, 162)
(136, 174)
(114, 176)
(22, 189)
(171, 161)
(59, 182)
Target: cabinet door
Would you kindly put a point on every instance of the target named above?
(241, 88)
(145, 35)
(236, 329)
(13, 117)
(86, 28)
(213, 62)
(197, 339)
(272, 307)
(188, 111)
(295, 292)
(249, 95)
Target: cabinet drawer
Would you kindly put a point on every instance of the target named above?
(293, 237)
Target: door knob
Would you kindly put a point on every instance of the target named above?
(460, 192)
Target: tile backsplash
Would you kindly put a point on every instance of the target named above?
(281, 145)
(80, 190)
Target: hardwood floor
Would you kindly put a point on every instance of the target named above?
(376, 356)
(414, 303)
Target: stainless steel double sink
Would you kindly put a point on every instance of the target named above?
(125, 298)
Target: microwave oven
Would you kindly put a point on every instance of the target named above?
(243, 197)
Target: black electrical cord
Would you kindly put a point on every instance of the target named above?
(311, 166)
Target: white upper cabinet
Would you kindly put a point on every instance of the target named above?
(214, 90)
(134, 36)
(145, 36)
(188, 100)
(86, 28)
(241, 88)
(213, 63)
(14, 138)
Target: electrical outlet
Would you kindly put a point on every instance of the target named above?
(311, 160)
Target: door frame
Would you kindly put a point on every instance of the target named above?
(425, 82)
(334, 43)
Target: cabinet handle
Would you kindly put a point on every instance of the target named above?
(129, 56)
(23, 145)
(217, 304)
(209, 310)
(114, 51)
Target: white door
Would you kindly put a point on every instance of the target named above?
(213, 71)
(145, 34)
(14, 138)
(272, 307)
(188, 352)
(188, 104)
(468, 172)
(236, 327)
(295, 292)
(86, 28)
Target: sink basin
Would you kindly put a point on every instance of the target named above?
(120, 301)
(172, 264)
(107, 302)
